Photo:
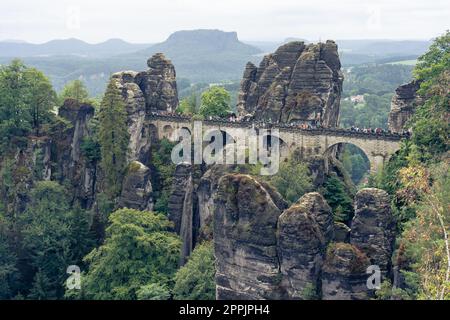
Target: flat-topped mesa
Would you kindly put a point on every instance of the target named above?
(403, 105)
(298, 83)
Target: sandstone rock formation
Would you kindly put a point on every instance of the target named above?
(265, 251)
(344, 273)
(137, 188)
(135, 106)
(296, 83)
(341, 232)
(206, 191)
(145, 92)
(304, 231)
(79, 115)
(69, 164)
(373, 227)
(158, 84)
(182, 179)
(403, 106)
(245, 223)
(183, 207)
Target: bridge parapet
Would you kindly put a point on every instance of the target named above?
(285, 127)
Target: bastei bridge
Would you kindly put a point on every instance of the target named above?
(378, 147)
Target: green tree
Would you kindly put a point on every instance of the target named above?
(153, 291)
(431, 129)
(138, 250)
(113, 138)
(46, 238)
(82, 239)
(338, 198)
(163, 174)
(188, 105)
(8, 264)
(74, 89)
(195, 280)
(26, 99)
(41, 97)
(292, 180)
(215, 102)
(15, 114)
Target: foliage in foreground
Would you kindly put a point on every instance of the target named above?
(138, 251)
(195, 280)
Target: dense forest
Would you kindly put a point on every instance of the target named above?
(132, 254)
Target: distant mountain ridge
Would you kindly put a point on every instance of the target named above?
(200, 56)
(204, 40)
(70, 46)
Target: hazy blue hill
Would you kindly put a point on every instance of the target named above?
(204, 55)
(199, 56)
(203, 41)
(354, 52)
(68, 47)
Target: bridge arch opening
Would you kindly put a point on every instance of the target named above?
(226, 137)
(149, 131)
(354, 160)
(270, 139)
(167, 131)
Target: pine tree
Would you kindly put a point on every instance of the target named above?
(113, 138)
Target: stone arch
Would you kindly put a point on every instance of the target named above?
(338, 147)
(185, 128)
(167, 131)
(284, 149)
(226, 136)
(150, 132)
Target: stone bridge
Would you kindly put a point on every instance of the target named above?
(377, 147)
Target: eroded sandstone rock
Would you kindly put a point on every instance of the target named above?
(373, 227)
(67, 139)
(403, 105)
(137, 188)
(344, 273)
(158, 84)
(341, 232)
(135, 106)
(245, 223)
(296, 83)
(304, 231)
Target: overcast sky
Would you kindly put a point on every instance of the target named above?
(148, 21)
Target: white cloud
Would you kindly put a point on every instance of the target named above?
(152, 21)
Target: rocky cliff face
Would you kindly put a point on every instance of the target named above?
(296, 83)
(344, 273)
(182, 207)
(265, 251)
(145, 92)
(403, 106)
(304, 231)
(137, 188)
(67, 156)
(373, 227)
(158, 84)
(245, 240)
(135, 106)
